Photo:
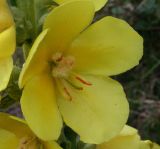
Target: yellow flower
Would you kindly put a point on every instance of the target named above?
(7, 44)
(15, 134)
(128, 139)
(97, 3)
(66, 74)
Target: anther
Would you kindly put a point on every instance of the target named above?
(73, 85)
(67, 92)
(83, 81)
(57, 57)
(63, 89)
(63, 65)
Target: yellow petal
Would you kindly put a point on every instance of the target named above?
(6, 65)
(36, 61)
(127, 131)
(51, 145)
(122, 142)
(14, 125)
(98, 3)
(40, 108)
(6, 19)
(148, 145)
(8, 140)
(66, 22)
(108, 47)
(58, 35)
(7, 42)
(98, 112)
(145, 144)
(156, 146)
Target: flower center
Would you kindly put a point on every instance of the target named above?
(65, 78)
(62, 65)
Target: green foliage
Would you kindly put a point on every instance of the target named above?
(29, 16)
(13, 90)
(147, 7)
(12, 94)
(70, 140)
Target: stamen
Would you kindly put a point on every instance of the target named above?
(25, 142)
(83, 81)
(63, 90)
(63, 65)
(74, 86)
(67, 92)
(57, 57)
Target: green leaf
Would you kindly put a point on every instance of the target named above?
(70, 140)
(13, 90)
(29, 16)
(146, 7)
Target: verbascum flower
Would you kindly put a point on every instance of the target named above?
(66, 73)
(128, 139)
(7, 44)
(97, 3)
(15, 134)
